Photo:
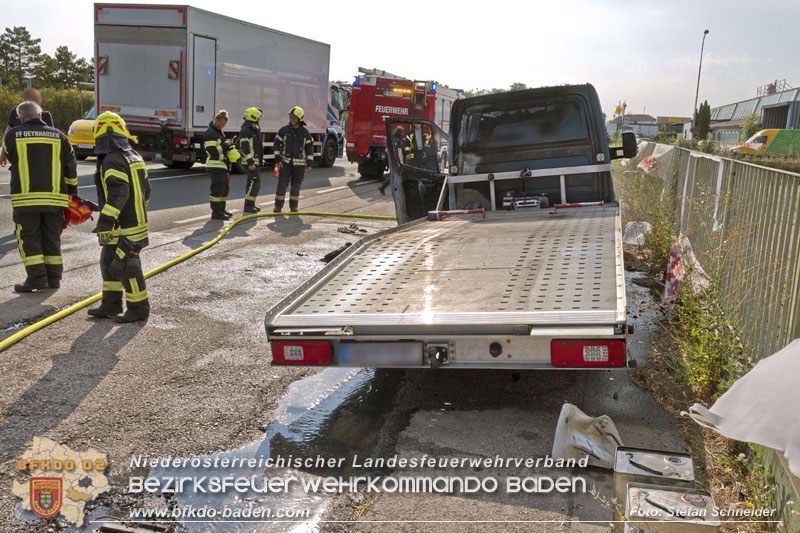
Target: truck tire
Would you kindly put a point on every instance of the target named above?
(178, 165)
(329, 153)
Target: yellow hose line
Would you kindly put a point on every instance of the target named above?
(15, 338)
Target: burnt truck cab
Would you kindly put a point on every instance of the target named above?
(547, 144)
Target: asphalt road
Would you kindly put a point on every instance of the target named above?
(195, 379)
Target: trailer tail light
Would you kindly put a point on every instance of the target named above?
(587, 353)
(301, 353)
(180, 141)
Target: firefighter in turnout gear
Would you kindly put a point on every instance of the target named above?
(216, 147)
(414, 152)
(123, 192)
(294, 153)
(251, 147)
(43, 177)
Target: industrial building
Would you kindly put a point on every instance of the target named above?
(777, 104)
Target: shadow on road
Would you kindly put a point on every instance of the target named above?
(203, 234)
(71, 378)
(7, 243)
(29, 300)
(288, 226)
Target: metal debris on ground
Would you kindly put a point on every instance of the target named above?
(352, 228)
(330, 256)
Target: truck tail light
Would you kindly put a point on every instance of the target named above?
(587, 353)
(301, 353)
(180, 141)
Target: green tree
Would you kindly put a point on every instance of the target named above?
(703, 122)
(517, 86)
(750, 126)
(20, 56)
(63, 69)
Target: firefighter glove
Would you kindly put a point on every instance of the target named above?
(105, 237)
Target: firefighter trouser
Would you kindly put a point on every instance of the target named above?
(220, 186)
(132, 282)
(289, 174)
(253, 186)
(39, 242)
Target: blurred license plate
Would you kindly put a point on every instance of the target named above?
(86, 146)
(380, 354)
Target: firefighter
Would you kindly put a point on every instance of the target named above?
(43, 177)
(398, 141)
(252, 149)
(216, 146)
(123, 192)
(414, 153)
(294, 153)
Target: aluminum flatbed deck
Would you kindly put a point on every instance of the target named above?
(524, 267)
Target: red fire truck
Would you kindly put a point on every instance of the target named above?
(378, 95)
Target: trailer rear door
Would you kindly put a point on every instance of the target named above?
(205, 69)
(141, 52)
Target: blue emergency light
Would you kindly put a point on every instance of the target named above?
(433, 86)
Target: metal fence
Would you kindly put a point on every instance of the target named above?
(743, 223)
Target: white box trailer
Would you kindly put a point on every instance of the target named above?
(167, 70)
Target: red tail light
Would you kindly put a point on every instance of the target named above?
(301, 353)
(587, 353)
(180, 140)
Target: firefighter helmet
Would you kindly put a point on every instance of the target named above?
(252, 114)
(110, 123)
(297, 111)
(233, 154)
(77, 212)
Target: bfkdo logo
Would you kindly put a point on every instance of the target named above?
(62, 481)
(46, 495)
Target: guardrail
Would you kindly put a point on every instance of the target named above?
(743, 223)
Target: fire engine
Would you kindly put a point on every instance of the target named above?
(378, 95)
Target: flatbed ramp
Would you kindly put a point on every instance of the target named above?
(520, 267)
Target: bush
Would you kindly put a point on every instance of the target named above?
(63, 104)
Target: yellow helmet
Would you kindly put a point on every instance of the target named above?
(252, 114)
(297, 111)
(233, 154)
(110, 123)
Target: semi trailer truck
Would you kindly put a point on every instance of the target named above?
(509, 258)
(167, 70)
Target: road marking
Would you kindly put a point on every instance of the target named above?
(195, 219)
(323, 191)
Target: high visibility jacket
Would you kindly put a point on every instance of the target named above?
(43, 168)
(294, 146)
(123, 192)
(214, 144)
(411, 148)
(250, 143)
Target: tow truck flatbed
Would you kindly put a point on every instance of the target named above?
(552, 268)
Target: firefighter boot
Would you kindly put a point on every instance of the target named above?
(278, 206)
(30, 286)
(110, 306)
(250, 207)
(135, 312)
(293, 204)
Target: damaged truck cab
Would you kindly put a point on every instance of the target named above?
(508, 252)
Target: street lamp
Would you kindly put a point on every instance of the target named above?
(697, 92)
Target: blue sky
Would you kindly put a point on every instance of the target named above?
(645, 52)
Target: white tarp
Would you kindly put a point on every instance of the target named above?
(762, 407)
(635, 232)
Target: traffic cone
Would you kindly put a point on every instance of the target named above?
(275, 172)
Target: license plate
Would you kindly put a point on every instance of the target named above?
(90, 146)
